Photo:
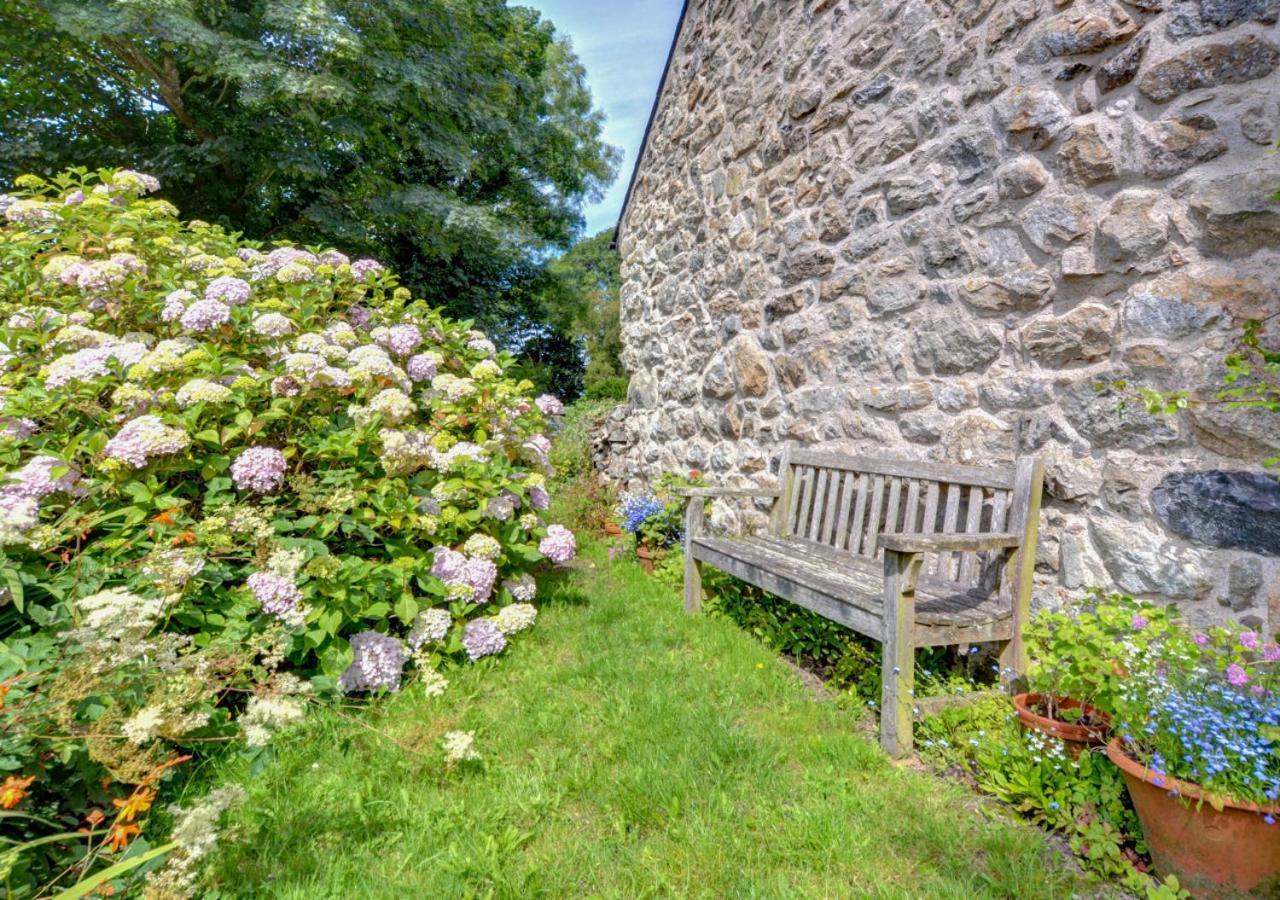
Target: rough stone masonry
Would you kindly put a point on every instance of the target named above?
(941, 229)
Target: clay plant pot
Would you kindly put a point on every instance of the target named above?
(1077, 737)
(612, 529)
(647, 558)
(1215, 854)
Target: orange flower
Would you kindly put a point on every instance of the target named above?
(95, 818)
(166, 517)
(137, 803)
(14, 790)
(121, 834)
(187, 537)
(106, 890)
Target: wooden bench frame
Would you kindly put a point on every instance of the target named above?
(814, 513)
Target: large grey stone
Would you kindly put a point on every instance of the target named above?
(1247, 58)
(1053, 221)
(1238, 212)
(810, 262)
(951, 345)
(1079, 337)
(1087, 27)
(1022, 289)
(1175, 144)
(1086, 156)
(1032, 116)
(1142, 562)
(1120, 69)
(1229, 510)
(1134, 229)
(1109, 420)
(1021, 177)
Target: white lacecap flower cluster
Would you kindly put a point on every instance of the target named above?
(459, 746)
(516, 618)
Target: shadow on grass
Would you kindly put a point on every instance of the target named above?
(556, 588)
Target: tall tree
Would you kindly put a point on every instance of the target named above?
(581, 298)
(454, 139)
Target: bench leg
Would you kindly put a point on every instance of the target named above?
(692, 584)
(693, 518)
(897, 673)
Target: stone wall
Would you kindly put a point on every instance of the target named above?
(935, 229)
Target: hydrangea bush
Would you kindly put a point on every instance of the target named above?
(224, 466)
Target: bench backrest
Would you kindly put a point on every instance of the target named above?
(847, 502)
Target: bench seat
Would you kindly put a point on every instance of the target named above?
(850, 589)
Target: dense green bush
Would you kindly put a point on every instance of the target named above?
(229, 478)
(611, 388)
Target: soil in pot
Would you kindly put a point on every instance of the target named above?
(1215, 854)
(1039, 712)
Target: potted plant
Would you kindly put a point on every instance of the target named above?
(657, 520)
(1198, 743)
(1077, 670)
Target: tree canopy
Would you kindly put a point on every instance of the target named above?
(456, 140)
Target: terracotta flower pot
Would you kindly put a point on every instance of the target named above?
(612, 529)
(647, 557)
(1232, 853)
(1077, 737)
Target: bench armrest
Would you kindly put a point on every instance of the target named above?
(724, 492)
(942, 543)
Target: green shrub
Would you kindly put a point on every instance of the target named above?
(226, 473)
(611, 388)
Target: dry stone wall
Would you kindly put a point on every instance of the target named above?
(935, 229)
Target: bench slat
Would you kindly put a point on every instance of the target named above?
(819, 503)
(855, 526)
(873, 517)
(911, 517)
(945, 561)
(907, 468)
(895, 503)
(968, 561)
(841, 535)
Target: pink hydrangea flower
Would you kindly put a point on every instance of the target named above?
(1139, 622)
(550, 405)
(559, 545)
(1271, 652)
(1249, 640)
(278, 595)
(363, 267)
(1237, 675)
(482, 637)
(403, 339)
(259, 469)
(205, 315)
(229, 290)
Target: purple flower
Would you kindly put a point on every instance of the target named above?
(402, 339)
(550, 405)
(480, 575)
(1271, 652)
(259, 469)
(1200, 638)
(559, 545)
(1237, 675)
(363, 267)
(538, 497)
(205, 315)
(17, 428)
(422, 367)
(37, 481)
(146, 436)
(1249, 640)
(378, 663)
(277, 595)
(449, 565)
(359, 316)
(482, 637)
(1139, 622)
(228, 290)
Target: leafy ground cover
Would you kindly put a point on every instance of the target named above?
(627, 750)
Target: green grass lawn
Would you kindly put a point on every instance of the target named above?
(629, 751)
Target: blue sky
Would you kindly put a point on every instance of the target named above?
(623, 44)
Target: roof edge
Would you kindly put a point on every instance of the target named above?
(653, 114)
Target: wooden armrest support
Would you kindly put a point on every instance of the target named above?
(725, 492)
(941, 543)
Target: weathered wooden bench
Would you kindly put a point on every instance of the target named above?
(911, 554)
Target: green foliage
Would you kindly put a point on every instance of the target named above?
(454, 140)
(582, 500)
(132, 534)
(581, 298)
(608, 388)
(1084, 798)
(1075, 650)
